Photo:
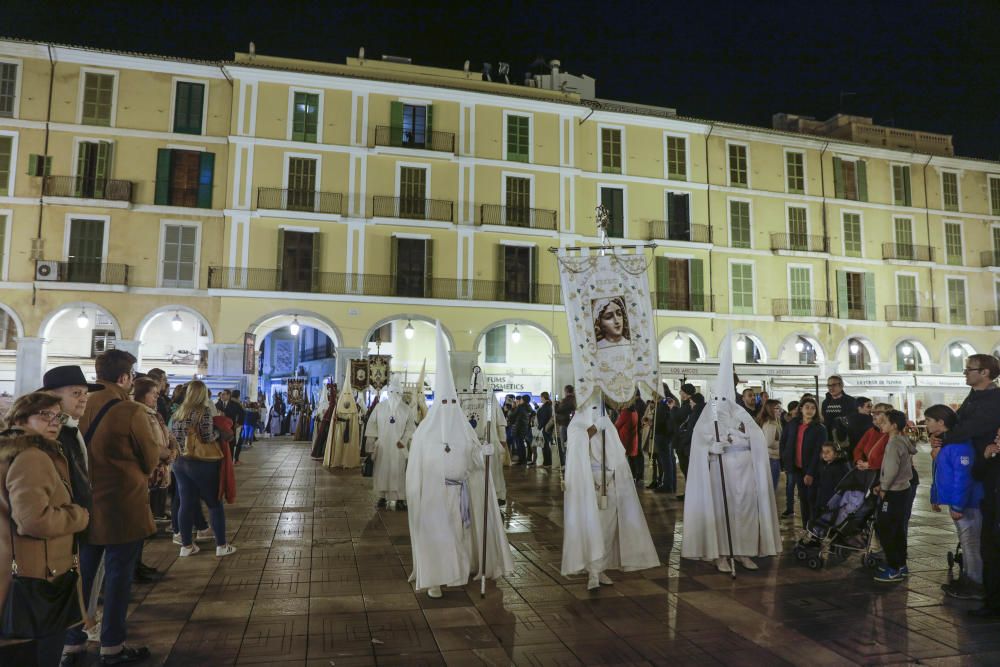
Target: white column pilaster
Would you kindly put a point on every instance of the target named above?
(30, 364)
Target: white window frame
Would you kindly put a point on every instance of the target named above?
(286, 161)
(416, 165)
(164, 223)
(291, 111)
(204, 102)
(17, 83)
(9, 213)
(805, 169)
(913, 234)
(916, 286)
(624, 188)
(753, 278)
(990, 179)
(958, 188)
(965, 294)
(12, 177)
(788, 280)
(531, 135)
(961, 238)
(996, 294)
(892, 182)
(729, 219)
(843, 236)
(687, 155)
(84, 71)
(504, 175)
(70, 217)
(75, 158)
(791, 205)
(729, 180)
(600, 149)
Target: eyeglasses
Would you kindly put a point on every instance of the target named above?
(49, 416)
(969, 370)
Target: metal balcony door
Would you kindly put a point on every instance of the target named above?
(412, 192)
(411, 267)
(518, 266)
(678, 285)
(301, 184)
(297, 261)
(86, 251)
(92, 167)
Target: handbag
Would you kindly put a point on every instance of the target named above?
(199, 450)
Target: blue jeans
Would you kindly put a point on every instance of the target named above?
(775, 472)
(119, 568)
(790, 483)
(175, 510)
(668, 466)
(199, 481)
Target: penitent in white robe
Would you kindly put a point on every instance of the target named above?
(391, 422)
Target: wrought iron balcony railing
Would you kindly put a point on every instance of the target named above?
(412, 208)
(907, 251)
(989, 258)
(516, 216)
(692, 303)
(908, 313)
(800, 242)
(82, 187)
(282, 199)
(801, 308)
(401, 137)
(83, 271)
(664, 230)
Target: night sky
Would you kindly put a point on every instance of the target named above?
(919, 64)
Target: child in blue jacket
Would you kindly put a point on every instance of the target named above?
(954, 486)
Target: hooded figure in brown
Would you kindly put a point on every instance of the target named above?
(343, 447)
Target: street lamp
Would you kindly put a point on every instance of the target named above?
(799, 345)
(854, 347)
(906, 349)
(956, 351)
(678, 341)
(82, 320)
(294, 327)
(176, 323)
(741, 344)
(515, 335)
(408, 331)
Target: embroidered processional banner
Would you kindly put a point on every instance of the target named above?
(474, 406)
(378, 370)
(359, 374)
(611, 325)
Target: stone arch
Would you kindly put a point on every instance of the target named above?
(793, 338)
(691, 334)
(757, 340)
(274, 320)
(870, 348)
(140, 330)
(449, 339)
(965, 346)
(918, 346)
(513, 322)
(15, 318)
(46, 326)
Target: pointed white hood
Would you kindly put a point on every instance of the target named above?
(346, 402)
(444, 382)
(395, 391)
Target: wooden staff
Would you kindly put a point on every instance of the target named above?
(486, 497)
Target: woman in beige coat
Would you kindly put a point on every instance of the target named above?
(35, 494)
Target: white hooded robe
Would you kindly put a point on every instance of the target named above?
(391, 422)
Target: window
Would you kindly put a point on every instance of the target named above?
(957, 313)
(850, 179)
(857, 356)
(678, 206)
(739, 224)
(907, 357)
(305, 117)
(179, 253)
(412, 266)
(517, 268)
(906, 292)
(953, 243)
(852, 235)
(856, 295)
(301, 184)
(6, 156)
(949, 190)
(518, 201)
(741, 280)
(184, 178)
(3, 261)
(412, 192)
(189, 102)
(101, 340)
(86, 251)
(496, 345)
(795, 172)
(39, 165)
(798, 228)
(8, 89)
(994, 195)
(613, 199)
(901, 185)
(676, 158)
(315, 345)
(98, 98)
(738, 168)
(903, 237)
(298, 260)
(410, 125)
(611, 150)
(518, 138)
(996, 245)
(680, 284)
(93, 166)
(800, 290)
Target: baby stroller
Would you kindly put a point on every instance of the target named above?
(845, 524)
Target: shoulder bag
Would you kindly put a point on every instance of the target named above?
(196, 448)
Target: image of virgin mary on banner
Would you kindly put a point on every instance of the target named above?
(611, 326)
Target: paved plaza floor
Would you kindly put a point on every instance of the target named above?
(321, 579)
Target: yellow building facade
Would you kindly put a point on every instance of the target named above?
(139, 192)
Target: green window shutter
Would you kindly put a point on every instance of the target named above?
(83, 151)
(842, 302)
(861, 170)
(6, 155)
(393, 255)
(907, 196)
(671, 207)
(396, 123)
(662, 268)
(280, 260)
(501, 277)
(163, 160)
(102, 169)
(870, 306)
(206, 169)
(430, 123)
(428, 267)
(534, 274)
(47, 171)
(697, 281)
(33, 170)
(182, 100)
(838, 177)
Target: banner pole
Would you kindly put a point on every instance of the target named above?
(602, 503)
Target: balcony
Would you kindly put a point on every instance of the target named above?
(404, 138)
(989, 258)
(309, 201)
(908, 313)
(413, 209)
(82, 271)
(664, 230)
(800, 243)
(907, 252)
(512, 216)
(691, 303)
(271, 280)
(81, 187)
(802, 308)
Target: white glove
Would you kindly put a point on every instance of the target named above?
(488, 450)
(717, 448)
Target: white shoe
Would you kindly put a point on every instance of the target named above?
(605, 580)
(747, 562)
(177, 539)
(434, 592)
(593, 581)
(224, 550)
(722, 564)
(204, 535)
(190, 551)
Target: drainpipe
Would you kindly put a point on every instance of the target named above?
(45, 155)
(708, 210)
(927, 223)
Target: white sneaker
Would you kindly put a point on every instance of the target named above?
(593, 581)
(177, 539)
(747, 562)
(434, 592)
(204, 535)
(190, 551)
(605, 580)
(224, 550)
(722, 564)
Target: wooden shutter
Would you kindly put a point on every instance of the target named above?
(838, 177)
(662, 282)
(533, 286)
(33, 168)
(843, 305)
(280, 262)
(428, 267)
(195, 108)
(206, 169)
(861, 173)
(698, 296)
(316, 257)
(907, 195)
(182, 102)
(501, 277)
(82, 159)
(164, 158)
(102, 168)
(430, 124)
(869, 281)
(393, 281)
(396, 123)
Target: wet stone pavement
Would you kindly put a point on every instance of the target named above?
(320, 579)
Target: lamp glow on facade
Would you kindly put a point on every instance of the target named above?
(854, 347)
(741, 344)
(294, 327)
(408, 331)
(176, 323)
(82, 320)
(799, 345)
(678, 341)
(906, 349)
(515, 335)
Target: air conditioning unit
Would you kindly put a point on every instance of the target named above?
(46, 270)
